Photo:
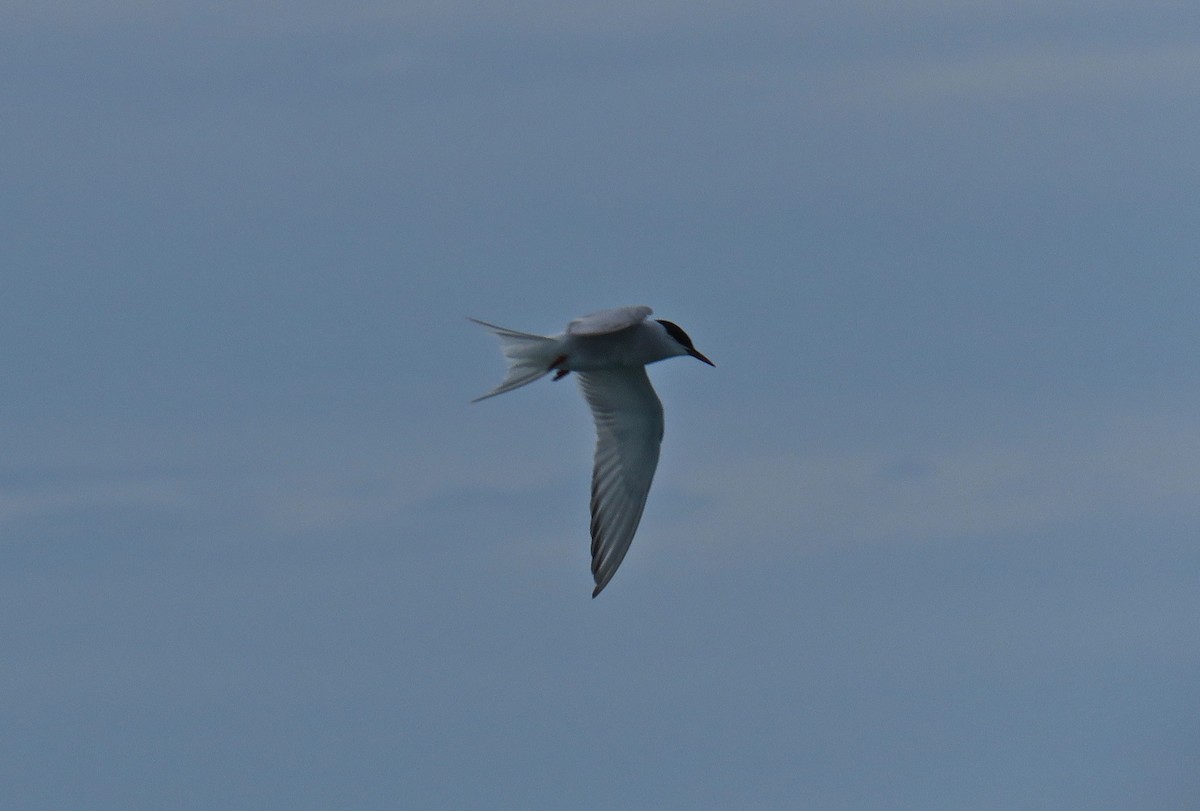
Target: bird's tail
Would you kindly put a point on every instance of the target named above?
(529, 357)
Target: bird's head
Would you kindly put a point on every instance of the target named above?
(676, 333)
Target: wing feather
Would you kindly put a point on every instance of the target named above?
(606, 321)
(629, 431)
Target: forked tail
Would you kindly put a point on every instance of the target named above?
(529, 357)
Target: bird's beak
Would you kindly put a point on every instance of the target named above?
(698, 356)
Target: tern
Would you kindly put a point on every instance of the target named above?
(608, 350)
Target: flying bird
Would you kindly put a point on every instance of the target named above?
(609, 351)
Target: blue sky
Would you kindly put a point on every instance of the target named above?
(926, 537)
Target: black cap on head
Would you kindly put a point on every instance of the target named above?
(676, 332)
(681, 338)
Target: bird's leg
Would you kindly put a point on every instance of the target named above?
(559, 374)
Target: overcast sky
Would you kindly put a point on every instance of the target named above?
(925, 538)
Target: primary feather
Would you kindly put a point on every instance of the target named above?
(629, 432)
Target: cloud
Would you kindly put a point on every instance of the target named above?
(100, 491)
(1020, 72)
(1057, 470)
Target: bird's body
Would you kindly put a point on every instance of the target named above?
(609, 350)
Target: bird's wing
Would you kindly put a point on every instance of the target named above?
(629, 431)
(607, 321)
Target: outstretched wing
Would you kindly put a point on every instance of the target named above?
(607, 321)
(629, 431)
